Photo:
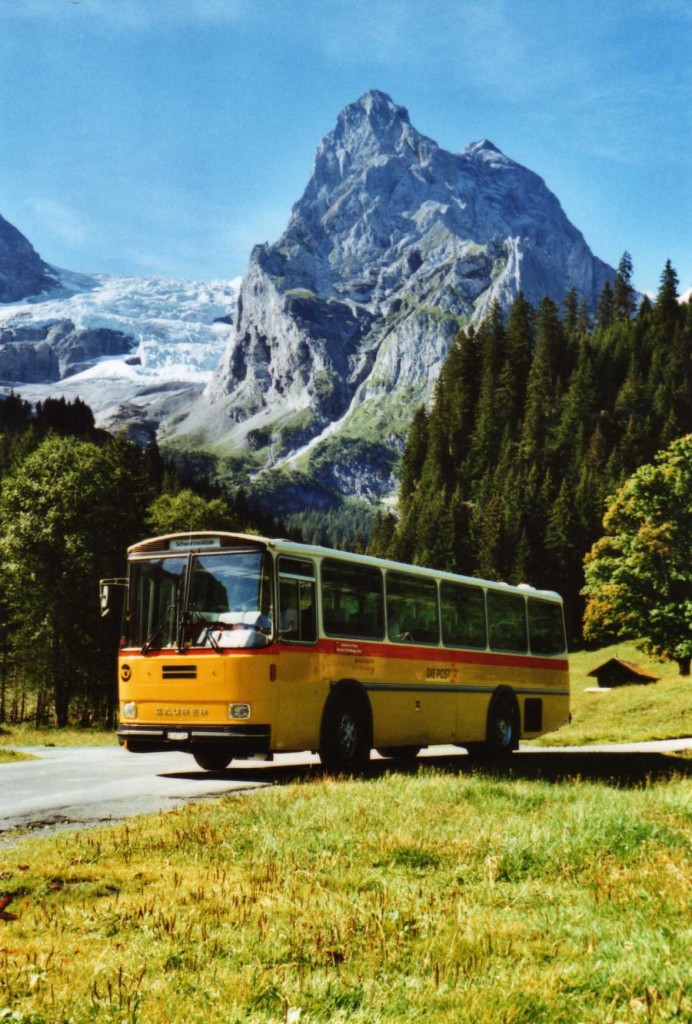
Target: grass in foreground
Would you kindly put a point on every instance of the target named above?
(27, 735)
(626, 714)
(449, 898)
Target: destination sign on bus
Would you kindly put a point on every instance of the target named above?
(184, 543)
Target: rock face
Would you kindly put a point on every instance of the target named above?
(42, 355)
(22, 271)
(342, 325)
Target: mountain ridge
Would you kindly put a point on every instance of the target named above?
(341, 325)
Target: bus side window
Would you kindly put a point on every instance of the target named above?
(546, 627)
(411, 609)
(297, 618)
(507, 622)
(463, 615)
(352, 600)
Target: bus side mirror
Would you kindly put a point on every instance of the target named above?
(107, 595)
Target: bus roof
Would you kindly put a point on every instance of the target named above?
(213, 540)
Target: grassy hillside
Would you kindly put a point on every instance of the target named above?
(626, 714)
(438, 896)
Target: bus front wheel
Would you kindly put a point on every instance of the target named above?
(345, 740)
(212, 760)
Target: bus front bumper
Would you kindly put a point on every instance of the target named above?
(236, 739)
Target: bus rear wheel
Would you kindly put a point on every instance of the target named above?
(345, 740)
(212, 760)
(503, 728)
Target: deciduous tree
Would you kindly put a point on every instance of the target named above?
(638, 580)
(67, 513)
(187, 511)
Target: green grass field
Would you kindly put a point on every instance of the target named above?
(462, 897)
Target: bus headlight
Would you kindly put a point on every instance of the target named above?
(129, 709)
(238, 710)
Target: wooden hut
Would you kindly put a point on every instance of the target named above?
(617, 672)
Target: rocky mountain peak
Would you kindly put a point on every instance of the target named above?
(372, 124)
(481, 147)
(395, 245)
(369, 135)
(376, 112)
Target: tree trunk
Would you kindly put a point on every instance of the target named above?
(62, 705)
(684, 665)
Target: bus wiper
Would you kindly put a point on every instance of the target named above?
(209, 635)
(154, 633)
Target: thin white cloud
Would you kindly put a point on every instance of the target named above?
(61, 221)
(129, 14)
(481, 43)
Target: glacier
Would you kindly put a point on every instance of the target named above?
(178, 330)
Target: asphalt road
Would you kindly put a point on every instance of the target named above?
(82, 786)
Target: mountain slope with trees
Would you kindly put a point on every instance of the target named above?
(537, 418)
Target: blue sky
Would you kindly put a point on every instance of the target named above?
(169, 136)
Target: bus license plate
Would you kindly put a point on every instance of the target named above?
(179, 735)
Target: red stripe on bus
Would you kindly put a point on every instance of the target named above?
(372, 649)
(356, 648)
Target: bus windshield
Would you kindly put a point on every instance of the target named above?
(175, 599)
(230, 589)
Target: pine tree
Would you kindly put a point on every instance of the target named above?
(544, 384)
(413, 458)
(437, 472)
(667, 311)
(577, 408)
(460, 379)
(15, 413)
(487, 434)
(383, 535)
(624, 301)
(513, 378)
(605, 308)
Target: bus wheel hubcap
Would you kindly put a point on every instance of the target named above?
(348, 734)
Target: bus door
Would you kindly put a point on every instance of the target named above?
(298, 705)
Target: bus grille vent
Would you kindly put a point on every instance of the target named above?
(179, 671)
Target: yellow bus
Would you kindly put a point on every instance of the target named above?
(236, 646)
